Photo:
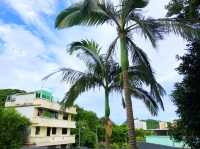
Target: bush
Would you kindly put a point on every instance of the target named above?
(114, 146)
(100, 146)
(13, 129)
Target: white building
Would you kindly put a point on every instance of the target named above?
(50, 125)
(140, 124)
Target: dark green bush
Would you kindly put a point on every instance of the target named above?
(13, 129)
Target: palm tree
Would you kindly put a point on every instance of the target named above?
(127, 19)
(103, 71)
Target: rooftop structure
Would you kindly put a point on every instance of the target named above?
(50, 125)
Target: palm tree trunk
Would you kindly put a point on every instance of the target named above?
(107, 114)
(129, 110)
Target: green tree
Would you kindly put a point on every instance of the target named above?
(186, 94)
(186, 98)
(6, 92)
(152, 124)
(103, 71)
(89, 124)
(127, 19)
(13, 129)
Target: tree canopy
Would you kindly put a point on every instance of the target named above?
(13, 129)
(186, 97)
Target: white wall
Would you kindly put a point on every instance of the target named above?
(140, 124)
(27, 98)
(26, 111)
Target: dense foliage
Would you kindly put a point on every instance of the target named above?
(92, 131)
(13, 129)
(187, 93)
(152, 124)
(188, 9)
(88, 124)
(6, 92)
(186, 97)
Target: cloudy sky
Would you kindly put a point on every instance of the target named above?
(30, 48)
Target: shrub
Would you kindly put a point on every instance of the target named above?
(13, 129)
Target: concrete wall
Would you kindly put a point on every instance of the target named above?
(28, 112)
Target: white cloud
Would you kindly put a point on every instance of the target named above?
(33, 11)
(20, 42)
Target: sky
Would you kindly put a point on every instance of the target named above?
(31, 48)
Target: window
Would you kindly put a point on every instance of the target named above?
(64, 131)
(40, 111)
(37, 130)
(65, 116)
(37, 95)
(48, 131)
(53, 131)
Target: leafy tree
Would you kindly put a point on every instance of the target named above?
(186, 94)
(186, 98)
(127, 19)
(6, 92)
(89, 124)
(13, 129)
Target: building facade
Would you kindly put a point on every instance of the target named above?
(140, 124)
(51, 126)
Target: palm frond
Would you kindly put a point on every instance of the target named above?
(129, 6)
(111, 48)
(150, 29)
(86, 12)
(180, 27)
(69, 75)
(109, 9)
(147, 99)
(84, 84)
(140, 57)
(88, 51)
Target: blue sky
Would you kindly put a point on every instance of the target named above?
(30, 48)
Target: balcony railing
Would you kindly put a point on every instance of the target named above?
(49, 122)
(51, 140)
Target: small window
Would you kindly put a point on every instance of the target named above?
(53, 131)
(37, 95)
(65, 116)
(37, 130)
(48, 131)
(39, 112)
(64, 131)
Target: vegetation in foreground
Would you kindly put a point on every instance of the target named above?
(187, 92)
(186, 98)
(13, 129)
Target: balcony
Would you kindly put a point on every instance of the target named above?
(38, 103)
(49, 122)
(52, 140)
(52, 105)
